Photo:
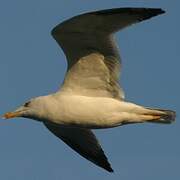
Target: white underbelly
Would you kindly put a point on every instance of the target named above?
(90, 112)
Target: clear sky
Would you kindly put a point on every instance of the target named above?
(32, 64)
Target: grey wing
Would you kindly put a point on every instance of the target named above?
(92, 54)
(83, 141)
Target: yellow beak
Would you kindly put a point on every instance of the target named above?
(17, 113)
(9, 115)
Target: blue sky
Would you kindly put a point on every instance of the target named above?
(32, 64)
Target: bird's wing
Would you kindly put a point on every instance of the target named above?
(83, 141)
(93, 59)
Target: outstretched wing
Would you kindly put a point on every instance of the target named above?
(83, 141)
(92, 55)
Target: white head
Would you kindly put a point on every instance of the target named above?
(31, 109)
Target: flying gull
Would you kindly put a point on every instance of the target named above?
(90, 96)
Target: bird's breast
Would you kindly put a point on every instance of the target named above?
(82, 111)
(92, 112)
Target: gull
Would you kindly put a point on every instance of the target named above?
(91, 96)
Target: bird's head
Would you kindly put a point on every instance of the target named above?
(27, 110)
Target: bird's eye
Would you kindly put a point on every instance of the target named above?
(27, 104)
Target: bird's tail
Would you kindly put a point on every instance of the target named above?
(164, 117)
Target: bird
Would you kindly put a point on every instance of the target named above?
(91, 96)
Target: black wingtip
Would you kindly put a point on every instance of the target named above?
(143, 13)
(162, 11)
(110, 170)
(108, 167)
(103, 162)
(157, 10)
(151, 12)
(130, 10)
